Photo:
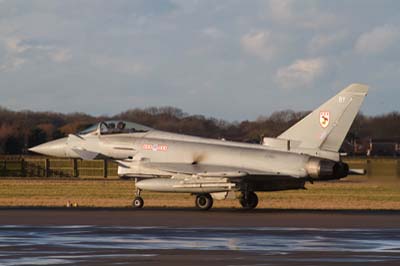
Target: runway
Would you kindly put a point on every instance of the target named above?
(190, 237)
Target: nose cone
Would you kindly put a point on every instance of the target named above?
(56, 148)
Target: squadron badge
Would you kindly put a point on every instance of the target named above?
(324, 119)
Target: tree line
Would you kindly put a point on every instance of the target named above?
(23, 129)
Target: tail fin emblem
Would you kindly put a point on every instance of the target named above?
(324, 119)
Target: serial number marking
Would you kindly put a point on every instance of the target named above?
(155, 147)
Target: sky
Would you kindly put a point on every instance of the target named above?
(232, 59)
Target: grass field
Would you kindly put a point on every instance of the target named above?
(349, 193)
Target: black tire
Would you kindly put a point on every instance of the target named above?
(249, 200)
(138, 203)
(204, 202)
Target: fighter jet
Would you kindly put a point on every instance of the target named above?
(212, 169)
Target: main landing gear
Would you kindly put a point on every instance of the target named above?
(204, 201)
(248, 200)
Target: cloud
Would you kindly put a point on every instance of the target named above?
(60, 55)
(323, 42)
(187, 6)
(303, 14)
(20, 51)
(281, 10)
(14, 45)
(18, 45)
(212, 32)
(121, 65)
(377, 40)
(12, 64)
(13, 58)
(302, 72)
(260, 44)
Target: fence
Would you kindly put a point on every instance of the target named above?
(376, 166)
(18, 166)
(14, 166)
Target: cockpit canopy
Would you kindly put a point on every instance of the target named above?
(115, 127)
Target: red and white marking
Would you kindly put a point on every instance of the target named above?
(155, 147)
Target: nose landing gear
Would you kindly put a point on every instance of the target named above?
(138, 202)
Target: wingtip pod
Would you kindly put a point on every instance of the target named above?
(356, 88)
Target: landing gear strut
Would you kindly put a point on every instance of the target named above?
(204, 201)
(138, 202)
(248, 200)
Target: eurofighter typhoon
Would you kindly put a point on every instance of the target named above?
(213, 169)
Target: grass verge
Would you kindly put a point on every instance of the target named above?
(350, 193)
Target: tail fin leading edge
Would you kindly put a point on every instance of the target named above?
(326, 127)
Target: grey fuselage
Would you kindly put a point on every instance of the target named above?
(156, 154)
(169, 148)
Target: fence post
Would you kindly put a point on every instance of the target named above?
(46, 167)
(105, 168)
(75, 171)
(369, 168)
(5, 168)
(398, 168)
(23, 168)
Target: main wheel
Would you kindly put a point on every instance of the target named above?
(249, 200)
(204, 201)
(138, 203)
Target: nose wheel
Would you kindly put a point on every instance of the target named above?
(248, 200)
(138, 202)
(204, 201)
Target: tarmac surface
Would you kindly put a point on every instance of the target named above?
(50, 236)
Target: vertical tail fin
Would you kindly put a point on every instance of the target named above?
(326, 127)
